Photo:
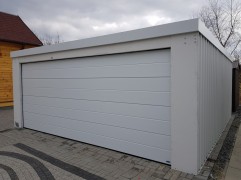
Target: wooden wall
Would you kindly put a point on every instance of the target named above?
(6, 81)
(235, 89)
(240, 87)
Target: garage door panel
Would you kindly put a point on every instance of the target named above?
(159, 56)
(137, 70)
(135, 110)
(140, 84)
(102, 100)
(148, 152)
(129, 135)
(139, 97)
(122, 121)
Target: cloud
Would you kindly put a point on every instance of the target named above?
(75, 19)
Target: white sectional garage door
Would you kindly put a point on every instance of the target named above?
(119, 101)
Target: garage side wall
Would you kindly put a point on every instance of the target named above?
(214, 96)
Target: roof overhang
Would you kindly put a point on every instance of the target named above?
(181, 27)
(20, 43)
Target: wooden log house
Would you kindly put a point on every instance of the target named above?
(14, 35)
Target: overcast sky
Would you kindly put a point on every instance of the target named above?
(78, 19)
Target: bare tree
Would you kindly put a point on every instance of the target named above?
(48, 39)
(223, 18)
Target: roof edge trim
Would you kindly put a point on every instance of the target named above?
(180, 27)
(175, 28)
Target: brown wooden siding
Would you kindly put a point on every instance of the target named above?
(6, 80)
(235, 90)
(240, 86)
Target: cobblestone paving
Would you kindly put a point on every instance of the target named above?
(68, 159)
(60, 158)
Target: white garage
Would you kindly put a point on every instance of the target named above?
(145, 92)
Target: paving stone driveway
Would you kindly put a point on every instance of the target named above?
(29, 154)
(59, 158)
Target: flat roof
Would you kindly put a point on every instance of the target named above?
(181, 27)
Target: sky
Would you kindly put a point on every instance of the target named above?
(78, 19)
